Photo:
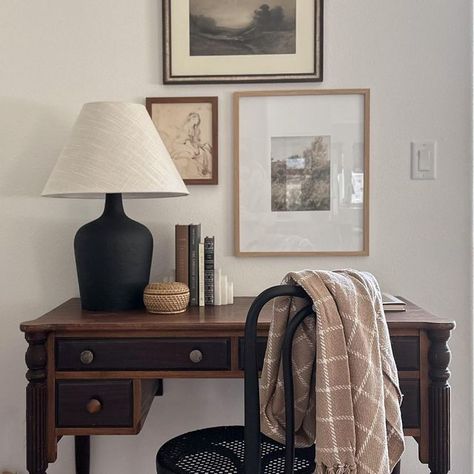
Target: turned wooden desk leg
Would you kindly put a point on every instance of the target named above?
(83, 451)
(439, 407)
(36, 409)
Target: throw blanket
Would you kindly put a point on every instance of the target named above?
(347, 397)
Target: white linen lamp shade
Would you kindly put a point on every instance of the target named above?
(114, 147)
(114, 150)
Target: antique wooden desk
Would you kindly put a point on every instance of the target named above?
(98, 373)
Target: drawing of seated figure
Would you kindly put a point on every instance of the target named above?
(191, 156)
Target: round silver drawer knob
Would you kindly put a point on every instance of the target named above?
(195, 356)
(87, 357)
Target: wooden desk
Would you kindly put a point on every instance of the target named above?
(98, 373)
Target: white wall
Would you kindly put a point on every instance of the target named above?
(57, 54)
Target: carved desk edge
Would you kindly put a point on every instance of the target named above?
(69, 317)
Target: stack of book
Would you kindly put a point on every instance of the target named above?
(392, 303)
(195, 263)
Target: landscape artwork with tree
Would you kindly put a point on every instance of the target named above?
(301, 174)
(242, 28)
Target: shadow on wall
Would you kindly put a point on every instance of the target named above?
(32, 137)
(36, 232)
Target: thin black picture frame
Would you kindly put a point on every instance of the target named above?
(315, 76)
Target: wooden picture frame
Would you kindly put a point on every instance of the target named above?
(188, 127)
(200, 48)
(301, 185)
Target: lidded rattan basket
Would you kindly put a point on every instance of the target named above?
(166, 298)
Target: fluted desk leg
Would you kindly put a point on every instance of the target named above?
(36, 394)
(439, 407)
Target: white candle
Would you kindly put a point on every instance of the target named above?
(217, 287)
(230, 293)
(224, 289)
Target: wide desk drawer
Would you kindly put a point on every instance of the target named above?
(143, 354)
(406, 352)
(92, 403)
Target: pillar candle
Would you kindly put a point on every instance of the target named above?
(217, 287)
(224, 289)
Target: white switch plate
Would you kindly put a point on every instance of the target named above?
(423, 160)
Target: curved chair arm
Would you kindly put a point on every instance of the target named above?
(252, 399)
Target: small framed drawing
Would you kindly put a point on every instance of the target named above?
(302, 172)
(219, 41)
(188, 128)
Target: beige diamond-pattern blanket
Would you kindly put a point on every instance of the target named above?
(347, 397)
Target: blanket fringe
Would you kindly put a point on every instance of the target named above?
(337, 469)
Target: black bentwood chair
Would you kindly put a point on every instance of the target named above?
(243, 449)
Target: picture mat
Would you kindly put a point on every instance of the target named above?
(183, 64)
(338, 230)
(169, 119)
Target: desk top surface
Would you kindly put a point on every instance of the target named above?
(69, 317)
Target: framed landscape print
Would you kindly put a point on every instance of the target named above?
(219, 41)
(302, 172)
(188, 128)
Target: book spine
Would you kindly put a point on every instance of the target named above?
(209, 271)
(194, 238)
(182, 253)
(201, 274)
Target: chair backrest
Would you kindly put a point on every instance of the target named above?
(252, 399)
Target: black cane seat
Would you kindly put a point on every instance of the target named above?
(220, 450)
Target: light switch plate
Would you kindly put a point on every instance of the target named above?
(423, 160)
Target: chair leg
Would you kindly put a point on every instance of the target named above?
(83, 454)
(396, 469)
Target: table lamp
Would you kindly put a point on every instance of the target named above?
(114, 150)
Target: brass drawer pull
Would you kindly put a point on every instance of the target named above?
(93, 406)
(195, 356)
(87, 357)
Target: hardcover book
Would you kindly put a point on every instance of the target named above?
(182, 253)
(209, 270)
(392, 303)
(194, 239)
(201, 274)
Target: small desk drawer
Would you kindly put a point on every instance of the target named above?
(260, 349)
(411, 403)
(143, 354)
(406, 352)
(89, 403)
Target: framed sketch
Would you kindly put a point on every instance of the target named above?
(302, 172)
(188, 128)
(219, 41)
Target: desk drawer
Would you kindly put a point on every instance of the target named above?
(89, 403)
(406, 351)
(411, 403)
(143, 354)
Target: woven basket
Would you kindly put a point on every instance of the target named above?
(166, 298)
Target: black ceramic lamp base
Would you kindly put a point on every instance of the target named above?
(113, 259)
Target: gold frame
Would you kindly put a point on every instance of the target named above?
(236, 120)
